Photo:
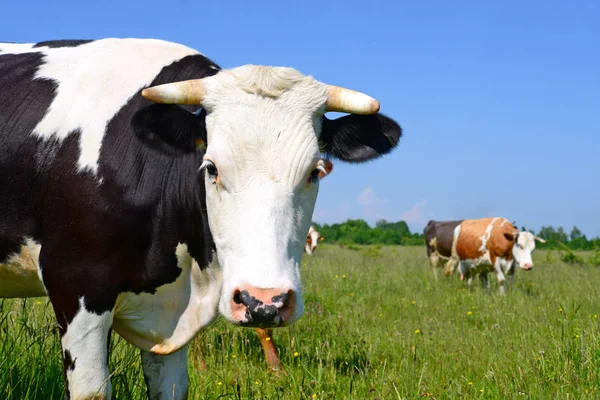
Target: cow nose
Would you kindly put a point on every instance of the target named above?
(263, 308)
(527, 267)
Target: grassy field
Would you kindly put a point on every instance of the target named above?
(377, 326)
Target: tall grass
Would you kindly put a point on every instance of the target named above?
(377, 326)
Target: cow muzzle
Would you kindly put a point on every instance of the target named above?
(527, 267)
(262, 308)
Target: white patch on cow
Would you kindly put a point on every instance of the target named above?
(85, 340)
(20, 274)
(264, 147)
(454, 253)
(165, 321)
(17, 48)
(166, 376)
(93, 82)
(486, 236)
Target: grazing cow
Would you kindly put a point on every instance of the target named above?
(480, 246)
(491, 244)
(439, 236)
(312, 240)
(127, 165)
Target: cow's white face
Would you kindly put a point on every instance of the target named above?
(522, 250)
(312, 240)
(262, 168)
(264, 132)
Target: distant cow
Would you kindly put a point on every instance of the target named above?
(480, 246)
(312, 240)
(137, 178)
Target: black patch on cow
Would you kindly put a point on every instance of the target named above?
(98, 240)
(68, 365)
(9, 245)
(68, 361)
(357, 138)
(169, 128)
(61, 43)
(23, 102)
(443, 233)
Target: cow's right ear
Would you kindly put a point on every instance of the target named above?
(170, 128)
(511, 236)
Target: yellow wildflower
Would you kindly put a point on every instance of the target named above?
(470, 383)
(417, 331)
(296, 354)
(469, 313)
(219, 383)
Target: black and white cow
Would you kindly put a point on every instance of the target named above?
(114, 206)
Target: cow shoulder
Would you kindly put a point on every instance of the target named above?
(502, 239)
(358, 138)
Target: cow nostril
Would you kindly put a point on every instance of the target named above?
(236, 297)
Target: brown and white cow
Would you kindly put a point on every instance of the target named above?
(480, 246)
(491, 244)
(312, 240)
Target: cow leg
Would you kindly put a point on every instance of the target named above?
(434, 260)
(450, 266)
(511, 274)
(84, 341)
(166, 376)
(266, 340)
(500, 276)
(483, 278)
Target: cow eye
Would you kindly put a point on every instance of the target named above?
(210, 169)
(314, 175)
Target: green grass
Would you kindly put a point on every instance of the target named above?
(377, 326)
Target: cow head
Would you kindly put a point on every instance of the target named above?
(524, 246)
(264, 133)
(312, 240)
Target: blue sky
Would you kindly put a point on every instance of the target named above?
(499, 101)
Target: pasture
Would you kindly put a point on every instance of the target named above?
(377, 326)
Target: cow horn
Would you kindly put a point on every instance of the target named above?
(184, 92)
(539, 239)
(348, 101)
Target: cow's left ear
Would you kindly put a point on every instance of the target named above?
(170, 128)
(358, 138)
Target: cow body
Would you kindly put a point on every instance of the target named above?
(115, 207)
(485, 245)
(479, 246)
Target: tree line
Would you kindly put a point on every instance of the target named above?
(358, 231)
